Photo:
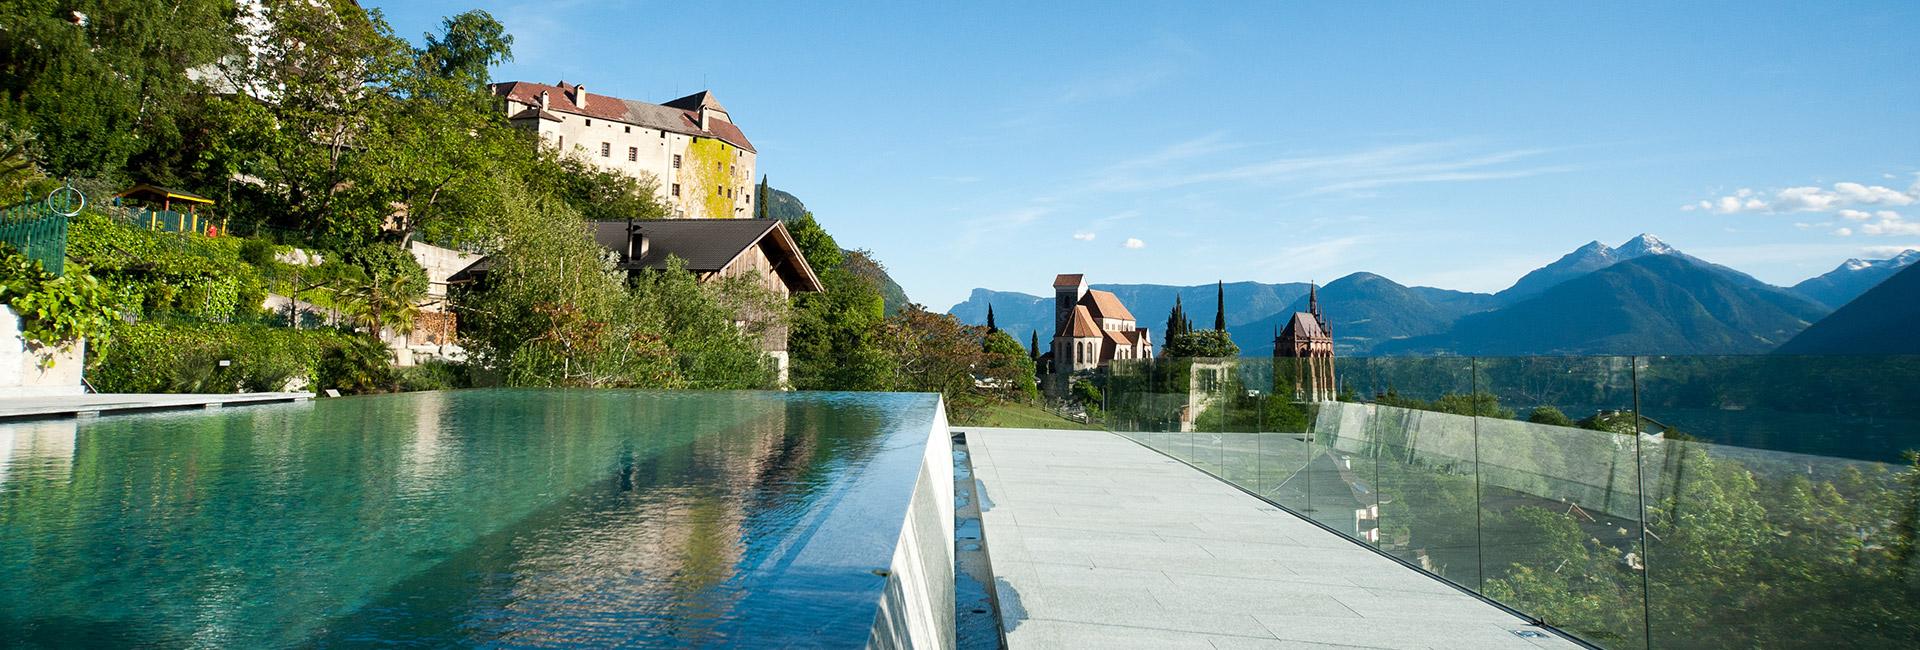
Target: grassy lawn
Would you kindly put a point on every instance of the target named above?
(1022, 416)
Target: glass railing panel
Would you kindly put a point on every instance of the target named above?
(1410, 474)
(1779, 505)
(1559, 493)
(1285, 443)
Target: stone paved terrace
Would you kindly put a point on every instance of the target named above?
(110, 403)
(1098, 542)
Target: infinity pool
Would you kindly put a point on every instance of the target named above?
(493, 518)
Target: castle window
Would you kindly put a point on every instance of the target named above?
(663, 135)
(676, 158)
(626, 129)
(589, 121)
(606, 149)
(561, 141)
(676, 189)
(633, 154)
(718, 191)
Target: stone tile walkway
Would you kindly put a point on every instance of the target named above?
(109, 403)
(1097, 541)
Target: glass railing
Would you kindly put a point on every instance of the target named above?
(1630, 501)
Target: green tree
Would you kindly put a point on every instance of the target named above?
(1549, 415)
(99, 91)
(1200, 344)
(1008, 366)
(1220, 309)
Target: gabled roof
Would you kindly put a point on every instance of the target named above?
(675, 119)
(1106, 305)
(1083, 326)
(1068, 280)
(697, 101)
(1121, 337)
(706, 246)
(1303, 326)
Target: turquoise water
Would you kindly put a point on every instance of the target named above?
(491, 518)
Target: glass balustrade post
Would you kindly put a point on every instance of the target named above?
(1479, 505)
(1640, 496)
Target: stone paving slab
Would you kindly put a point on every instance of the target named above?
(109, 403)
(1097, 541)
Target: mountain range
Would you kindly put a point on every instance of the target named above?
(1880, 321)
(1852, 278)
(1643, 297)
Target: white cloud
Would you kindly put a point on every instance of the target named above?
(1843, 232)
(1891, 227)
(1855, 215)
(1872, 194)
(1134, 243)
(1809, 198)
(1083, 236)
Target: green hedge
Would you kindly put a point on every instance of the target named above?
(185, 358)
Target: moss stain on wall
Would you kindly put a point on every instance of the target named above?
(712, 162)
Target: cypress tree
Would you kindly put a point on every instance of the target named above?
(1220, 310)
(991, 328)
(1033, 346)
(761, 210)
(1174, 319)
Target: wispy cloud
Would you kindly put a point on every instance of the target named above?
(1311, 259)
(1373, 167)
(976, 230)
(1134, 243)
(1888, 251)
(1083, 236)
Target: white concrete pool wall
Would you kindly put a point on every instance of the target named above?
(917, 609)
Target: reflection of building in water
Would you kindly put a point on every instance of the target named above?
(662, 552)
(422, 468)
(1303, 355)
(37, 449)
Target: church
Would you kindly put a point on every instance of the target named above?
(1090, 328)
(1303, 355)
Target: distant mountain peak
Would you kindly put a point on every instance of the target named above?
(1854, 277)
(1644, 244)
(1594, 247)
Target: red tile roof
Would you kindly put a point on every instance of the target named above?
(1083, 326)
(1068, 280)
(560, 99)
(1107, 305)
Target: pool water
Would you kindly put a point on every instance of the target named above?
(492, 518)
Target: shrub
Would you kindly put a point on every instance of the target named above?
(54, 311)
(358, 364)
(434, 375)
(157, 357)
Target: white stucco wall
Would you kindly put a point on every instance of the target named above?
(27, 371)
(655, 150)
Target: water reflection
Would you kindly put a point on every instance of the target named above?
(518, 517)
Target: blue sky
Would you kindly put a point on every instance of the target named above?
(1454, 145)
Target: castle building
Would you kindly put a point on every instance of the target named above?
(1303, 354)
(1091, 327)
(703, 162)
